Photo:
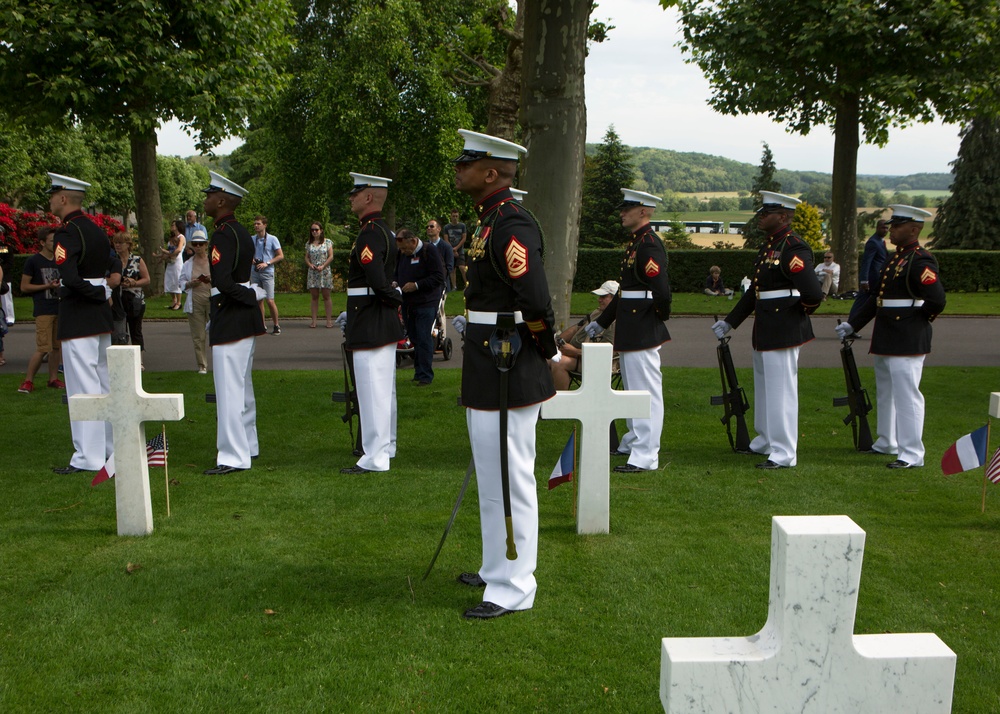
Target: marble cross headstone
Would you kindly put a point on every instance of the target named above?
(807, 658)
(126, 407)
(595, 405)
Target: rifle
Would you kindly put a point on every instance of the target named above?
(349, 397)
(857, 399)
(734, 399)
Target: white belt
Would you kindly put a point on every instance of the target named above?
(359, 292)
(103, 282)
(775, 294)
(477, 317)
(902, 303)
(215, 291)
(637, 294)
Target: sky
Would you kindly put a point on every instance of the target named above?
(639, 82)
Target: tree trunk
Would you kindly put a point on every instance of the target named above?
(844, 200)
(554, 119)
(147, 204)
(505, 88)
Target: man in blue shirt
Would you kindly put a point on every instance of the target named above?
(872, 262)
(267, 252)
(190, 226)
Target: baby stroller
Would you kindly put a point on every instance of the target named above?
(439, 331)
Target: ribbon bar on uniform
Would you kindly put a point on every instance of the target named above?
(775, 294)
(637, 294)
(215, 291)
(901, 303)
(478, 317)
(359, 292)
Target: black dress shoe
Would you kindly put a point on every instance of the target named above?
(770, 465)
(897, 464)
(67, 470)
(472, 580)
(486, 611)
(629, 469)
(355, 470)
(615, 452)
(221, 470)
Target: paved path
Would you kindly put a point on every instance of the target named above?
(958, 341)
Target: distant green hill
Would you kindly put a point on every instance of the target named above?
(662, 171)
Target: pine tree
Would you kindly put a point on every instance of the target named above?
(764, 181)
(968, 218)
(604, 176)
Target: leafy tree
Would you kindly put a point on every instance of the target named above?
(765, 180)
(968, 218)
(127, 66)
(605, 174)
(808, 224)
(858, 66)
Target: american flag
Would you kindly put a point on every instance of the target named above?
(156, 450)
(993, 468)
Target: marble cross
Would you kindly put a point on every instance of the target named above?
(126, 407)
(595, 405)
(807, 658)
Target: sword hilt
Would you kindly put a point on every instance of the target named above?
(511, 548)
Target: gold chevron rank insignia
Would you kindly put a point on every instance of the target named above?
(796, 264)
(366, 255)
(60, 254)
(652, 269)
(928, 277)
(216, 255)
(517, 258)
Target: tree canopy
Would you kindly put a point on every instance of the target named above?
(968, 219)
(605, 174)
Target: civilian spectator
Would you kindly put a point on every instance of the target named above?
(444, 248)
(714, 284)
(420, 275)
(135, 277)
(40, 280)
(173, 258)
(570, 341)
(191, 226)
(196, 280)
(828, 274)
(457, 234)
(319, 255)
(266, 252)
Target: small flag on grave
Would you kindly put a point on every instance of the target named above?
(566, 465)
(993, 468)
(107, 471)
(156, 455)
(968, 453)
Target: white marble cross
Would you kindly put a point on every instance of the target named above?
(127, 406)
(595, 405)
(807, 658)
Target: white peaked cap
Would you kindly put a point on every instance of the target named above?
(904, 214)
(365, 181)
(638, 198)
(518, 194)
(483, 146)
(66, 183)
(221, 183)
(778, 200)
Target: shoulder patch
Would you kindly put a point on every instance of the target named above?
(216, 255)
(60, 254)
(928, 277)
(366, 255)
(652, 268)
(517, 258)
(796, 264)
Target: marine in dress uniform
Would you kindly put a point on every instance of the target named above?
(909, 296)
(639, 309)
(235, 323)
(83, 254)
(505, 276)
(373, 326)
(783, 293)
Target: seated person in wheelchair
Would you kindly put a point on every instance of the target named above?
(572, 338)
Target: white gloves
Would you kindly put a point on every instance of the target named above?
(259, 292)
(107, 293)
(843, 330)
(459, 324)
(720, 328)
(593, 329)
(557, 357)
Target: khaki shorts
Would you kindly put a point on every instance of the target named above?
(45, 333)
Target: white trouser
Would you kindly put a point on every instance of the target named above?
(375, 381)
(776, 404)
(509, 583)
(85, 366)
(235, 405)
(641, 372)
(900, 407)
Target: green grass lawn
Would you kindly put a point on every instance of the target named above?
(294, 588)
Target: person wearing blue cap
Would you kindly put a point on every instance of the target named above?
(235, 324)
(783, 294)
(83, 256)
(908, 298)
(505, 375)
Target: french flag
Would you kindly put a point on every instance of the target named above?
(107, 472)
(566, 465)
(967, 453)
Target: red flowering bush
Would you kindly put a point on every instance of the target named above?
(20, 228)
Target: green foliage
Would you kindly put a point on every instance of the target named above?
(605, 174)
(181, 183)
(764, 180)
(808, 225)
(968, 219)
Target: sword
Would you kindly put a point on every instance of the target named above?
(505, 343)
(454, 512)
